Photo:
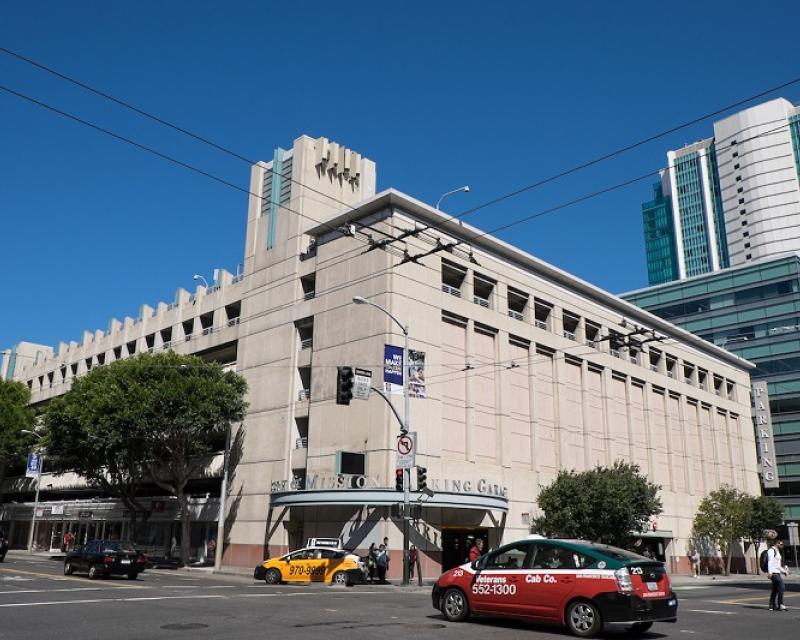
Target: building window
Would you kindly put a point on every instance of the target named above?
(517, 304)
(482, 290)
(570, 325)
(741, 200)
(592, 331)
(232, 313)
(207, 323)
(166, 337)
(117, 353)
(736, 166)
(542, 312)
(353, 464)
(305, 332)
(188, 328)
(453, 277)
(309, 285)
(655, 360)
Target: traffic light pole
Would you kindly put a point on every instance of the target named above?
(404, 428)
(406, 472)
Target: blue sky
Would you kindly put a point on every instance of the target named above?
(439, 94)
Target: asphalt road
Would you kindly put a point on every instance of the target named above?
(38, 602)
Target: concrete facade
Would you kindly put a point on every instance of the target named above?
(528, 370)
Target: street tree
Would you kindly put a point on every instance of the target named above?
(766, 514)
(605, 504)
(152, 418)
(15, 416)
(189, 405)
(96, 430)
(724, 517)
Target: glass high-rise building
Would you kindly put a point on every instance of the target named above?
(727, 200)
(753, 311)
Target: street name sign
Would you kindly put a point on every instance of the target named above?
(362, 381)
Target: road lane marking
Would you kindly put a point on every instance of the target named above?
(755, 598)
(723, 613)
(291, 595)
(105, 600)
(60, 578)
(692, 587)
(70, 590)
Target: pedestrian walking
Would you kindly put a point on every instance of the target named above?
(694, 557)
(412, 561)
(68, 538)
(476, 551)
(386, 549)
(382, 563)
(370, 561)
(776, 570)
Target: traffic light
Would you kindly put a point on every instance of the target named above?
(344, 385)
(422, 478)
(398, 479)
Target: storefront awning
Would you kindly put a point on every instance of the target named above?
(386, 497)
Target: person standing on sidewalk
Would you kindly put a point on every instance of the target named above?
(695, 558)
(412, 561)
(382, 562)
(776, 570)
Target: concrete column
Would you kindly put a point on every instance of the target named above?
(587, 454)
(648, 423)
(607, 404)
(502, 389)
(469, 402)
(534, 423)
(558, 376)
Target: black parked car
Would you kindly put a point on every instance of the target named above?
(106, 558)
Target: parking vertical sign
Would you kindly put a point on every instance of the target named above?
(34, 465)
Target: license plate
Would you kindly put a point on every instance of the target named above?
(126, 561)
(653, 586)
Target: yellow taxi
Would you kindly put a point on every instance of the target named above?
(312, 564)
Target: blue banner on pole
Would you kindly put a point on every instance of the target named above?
(392, 369)
(34, 465)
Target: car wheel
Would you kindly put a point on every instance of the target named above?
(639, 628)
(68, 569)
(583, 619)
(340, 578)
(132, 575)
(272, 576)
(93, 572)
(455, 607)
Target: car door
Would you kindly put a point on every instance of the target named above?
(550, 579)
(293, 566)
(84, 558)
(498, 579)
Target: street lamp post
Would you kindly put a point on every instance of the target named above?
(465, 189)
(223, 494)
(38, 486)
(404, 428)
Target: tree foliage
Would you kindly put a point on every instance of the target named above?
(151, 418)
(724, 516)
(605, 504)
(766, 513)
(15, 415)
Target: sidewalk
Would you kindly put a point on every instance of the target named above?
(683, 580)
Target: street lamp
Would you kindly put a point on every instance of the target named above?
(197, 276)
(38, 485)
(465, 189)
(404, 427)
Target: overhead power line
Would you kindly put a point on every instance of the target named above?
(389, 239)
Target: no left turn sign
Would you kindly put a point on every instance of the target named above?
(406, 450)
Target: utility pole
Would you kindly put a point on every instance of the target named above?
(404, 429)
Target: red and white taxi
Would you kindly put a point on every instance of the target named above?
(583, 585)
